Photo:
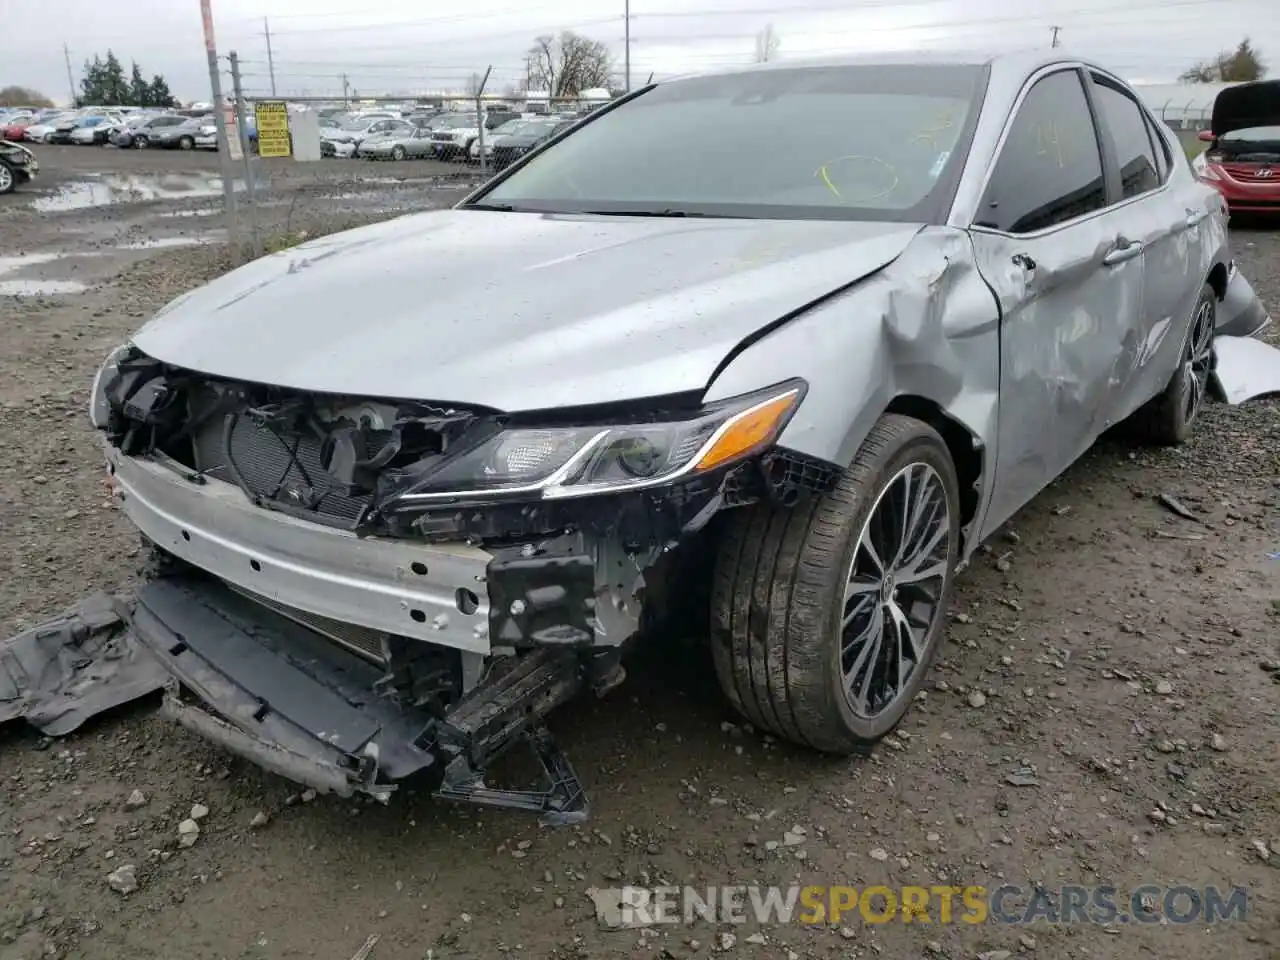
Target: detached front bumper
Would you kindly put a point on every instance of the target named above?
(276, 693)
(391, 587)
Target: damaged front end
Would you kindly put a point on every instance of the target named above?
(354, 590)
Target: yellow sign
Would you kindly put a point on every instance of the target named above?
(273, 128)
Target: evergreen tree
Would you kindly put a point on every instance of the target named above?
(139, 89)
(160, 95)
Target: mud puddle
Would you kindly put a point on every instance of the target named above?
(105, 190)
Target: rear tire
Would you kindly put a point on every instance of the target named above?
(1168, 418)
(186, 143)
(808, 641)
(8, 178)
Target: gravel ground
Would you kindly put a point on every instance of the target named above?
(1103, 711)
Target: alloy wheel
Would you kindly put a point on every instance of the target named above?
(6, 178)
(894, 591)
(1197, 361)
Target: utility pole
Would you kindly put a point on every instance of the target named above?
(626, 56)
(224, 143)
(71, 80)
(271, 61)
(346, 96)
(1055, 31)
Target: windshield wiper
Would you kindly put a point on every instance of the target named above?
(669, 212)
(500, 207)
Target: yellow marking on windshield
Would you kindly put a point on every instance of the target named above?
(822, 172)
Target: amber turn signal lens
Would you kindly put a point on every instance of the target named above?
(748, 431)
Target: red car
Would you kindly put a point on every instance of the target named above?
(14, 131)
(1242, 161)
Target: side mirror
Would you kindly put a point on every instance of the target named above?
(1205, 135)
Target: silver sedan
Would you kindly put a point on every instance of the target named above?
(402, 141)
(477, 452)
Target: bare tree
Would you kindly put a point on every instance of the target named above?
(567, 65)
(767, 43)
(1244, 63)
(23, 97)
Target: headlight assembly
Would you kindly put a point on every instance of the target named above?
(559, 462)
(99, 409)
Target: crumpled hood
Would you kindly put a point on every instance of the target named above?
(514, 311)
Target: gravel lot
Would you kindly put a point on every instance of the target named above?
(1124, 655)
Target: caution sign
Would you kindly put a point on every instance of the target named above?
(273, 128)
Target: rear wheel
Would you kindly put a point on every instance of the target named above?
(8, 180)
(826, 616)
(1168, 418)
(186, 143)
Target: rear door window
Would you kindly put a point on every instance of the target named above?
(1127, 123)
(1050, 168)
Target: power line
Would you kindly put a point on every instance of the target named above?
(952, 24)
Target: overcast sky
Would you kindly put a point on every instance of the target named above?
(407, 45)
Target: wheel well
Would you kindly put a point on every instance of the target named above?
(1218, 280)
(966, 457)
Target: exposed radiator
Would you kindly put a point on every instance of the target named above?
(265, 461)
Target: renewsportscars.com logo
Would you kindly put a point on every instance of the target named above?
(1006, 904)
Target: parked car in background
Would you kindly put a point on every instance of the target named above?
(530, 135)
(137, 132)
(401, 141)
(41, 131)
(453, 133)
(18, 165)
(207, 135)
(14, 128)
(92, 130)
(491, 137)
(354, 129)
(180, 136)
(61, 132)
(1242, 160)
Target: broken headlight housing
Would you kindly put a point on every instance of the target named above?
(99, 407)
(558, 462)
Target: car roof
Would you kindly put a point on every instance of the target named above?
(1006, 67)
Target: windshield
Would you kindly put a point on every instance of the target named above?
(510, 127)
(457, 123)
(357, 123)
(857, 142)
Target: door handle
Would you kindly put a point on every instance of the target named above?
(1122, 251)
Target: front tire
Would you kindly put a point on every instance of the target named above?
(826, 616)
(8, 179)
(140, 143)
(398, 153)
(1167, 419)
